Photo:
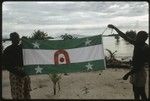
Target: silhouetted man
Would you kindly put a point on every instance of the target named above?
(13, 62)
(140, 57)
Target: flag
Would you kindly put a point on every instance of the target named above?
(63, 56)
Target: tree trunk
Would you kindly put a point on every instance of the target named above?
(58, 85)
(54, 87)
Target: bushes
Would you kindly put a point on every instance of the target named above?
(112, 62)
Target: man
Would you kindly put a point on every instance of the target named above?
(140, 57)
(13, 62)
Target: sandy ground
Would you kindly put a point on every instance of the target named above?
(91, 85)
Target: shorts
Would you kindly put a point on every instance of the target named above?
(139, 78)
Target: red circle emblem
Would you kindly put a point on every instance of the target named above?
(61, 59)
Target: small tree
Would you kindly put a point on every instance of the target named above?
(55, 78)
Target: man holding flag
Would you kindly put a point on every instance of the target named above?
(13, 62)
(140, 57)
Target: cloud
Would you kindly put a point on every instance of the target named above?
(25, 17)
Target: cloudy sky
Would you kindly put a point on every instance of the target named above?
(84, 18)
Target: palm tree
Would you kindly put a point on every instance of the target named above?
(40, 35)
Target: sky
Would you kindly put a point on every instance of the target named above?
(83, 18)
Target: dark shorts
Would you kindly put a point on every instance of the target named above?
(139, 78)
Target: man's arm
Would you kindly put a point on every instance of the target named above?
(10, 68)
(15, 71)
(121, 34)
(125, 77)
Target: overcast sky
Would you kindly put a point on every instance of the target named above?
(85, 18)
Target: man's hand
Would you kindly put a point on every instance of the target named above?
(111, 26)
(20, 73)
(125, 77)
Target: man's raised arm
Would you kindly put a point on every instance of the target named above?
(121, 33)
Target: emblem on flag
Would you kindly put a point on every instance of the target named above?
(61, 57)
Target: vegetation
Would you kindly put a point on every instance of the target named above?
(40, 35)
(67, 36)
(112, 62)
(55, 78)
(112, 54)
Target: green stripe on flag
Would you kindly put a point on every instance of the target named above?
(65, 68)
(62, 44)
